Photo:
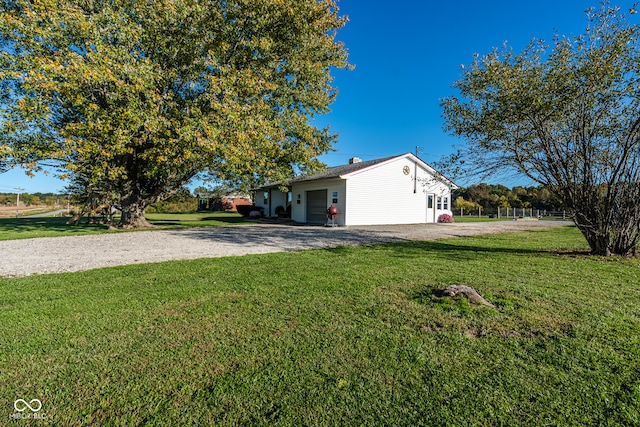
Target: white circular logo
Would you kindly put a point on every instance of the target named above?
(22, 405)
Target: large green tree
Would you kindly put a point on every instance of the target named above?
(568, 116)
(138, 97)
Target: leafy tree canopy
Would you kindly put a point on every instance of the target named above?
(135, 98)
(567, 116)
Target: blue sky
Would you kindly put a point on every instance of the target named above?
(407, 54)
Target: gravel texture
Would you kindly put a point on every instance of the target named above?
(75, 253)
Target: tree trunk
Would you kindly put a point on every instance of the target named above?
(133, 217)
(599, 244)
(133, 213)
(625, 234)
(597, 235)
(611, 238)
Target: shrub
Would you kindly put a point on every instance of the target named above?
(445, 218)
(181, 202)
(172, 207)
(245, 210)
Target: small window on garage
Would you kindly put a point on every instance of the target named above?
(439, 205)
(266, 197)
(445, 203)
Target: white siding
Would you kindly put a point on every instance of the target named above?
(384, 194)
(377, 195)
(299, 201)
(259, 200)
(440, 191)
(276, 198)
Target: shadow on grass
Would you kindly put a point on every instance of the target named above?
(341, 240)
(164, 222)
(446, 250)
(198, 222)
(47, 224)
(225, 219)
(17, 228)
(508, 243)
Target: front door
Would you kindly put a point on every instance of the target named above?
(431, 208)
(317, 207)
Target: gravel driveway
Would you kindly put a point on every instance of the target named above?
(75, 253)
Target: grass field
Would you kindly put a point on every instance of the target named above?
(487, 219)
(22, 228)
(10, 211)
(345, 336)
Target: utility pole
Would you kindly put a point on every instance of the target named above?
(415, 172)
(18, 199)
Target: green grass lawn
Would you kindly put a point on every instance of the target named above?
(478, 219)
(22, 228)
(200, 219)
(345, 336)
(487, 219)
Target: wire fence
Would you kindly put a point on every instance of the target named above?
(513, 213)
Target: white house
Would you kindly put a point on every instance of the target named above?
(395, 190)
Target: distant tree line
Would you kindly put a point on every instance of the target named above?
(492, 196)
(183, 201)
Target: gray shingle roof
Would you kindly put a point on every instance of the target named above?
(337, 171)
(332, 172)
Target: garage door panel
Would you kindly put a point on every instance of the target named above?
(317, 207)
